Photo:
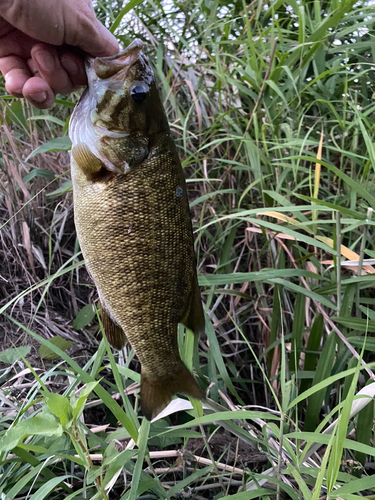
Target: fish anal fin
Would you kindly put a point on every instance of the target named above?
(156, 394)
(114, 333)
(89, 164)
(195, 319)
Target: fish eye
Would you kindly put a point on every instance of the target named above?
(139, 93)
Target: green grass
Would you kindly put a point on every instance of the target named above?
(272, 107)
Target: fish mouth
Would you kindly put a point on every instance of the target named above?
(107, 67)
(106, 73)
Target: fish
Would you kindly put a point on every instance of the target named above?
(133, 221)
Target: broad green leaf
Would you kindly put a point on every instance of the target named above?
(65, 187)
(112, 405)
(58, 341)
(42, 424)
(84, 317)
(37, 172)
(10, 356)
(58, 144)
(60, 407)
(83, 395)
(127, 372)
(93, 473)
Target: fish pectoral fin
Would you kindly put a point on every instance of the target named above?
(156, 393)
(89, 164)
(195, 319)
(114, 333)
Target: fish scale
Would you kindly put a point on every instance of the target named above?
(133, 222)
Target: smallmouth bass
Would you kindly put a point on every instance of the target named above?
(133, 222)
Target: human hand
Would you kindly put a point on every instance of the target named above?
(42, 45)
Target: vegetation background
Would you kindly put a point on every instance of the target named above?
(271, 104)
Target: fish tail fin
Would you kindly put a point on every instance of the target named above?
(156, 394)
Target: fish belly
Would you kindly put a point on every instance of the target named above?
(136, 237)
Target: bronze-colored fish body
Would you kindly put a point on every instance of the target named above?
(133, 223)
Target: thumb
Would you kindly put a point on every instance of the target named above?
(98, 41)
(89, 34)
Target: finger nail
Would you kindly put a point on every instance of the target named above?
(13, 85)
(16, 91)
(70, 65)
(39, 96)
(45, 60)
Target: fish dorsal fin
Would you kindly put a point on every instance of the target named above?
(195, 319)
(89, 164)
(114, 333)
